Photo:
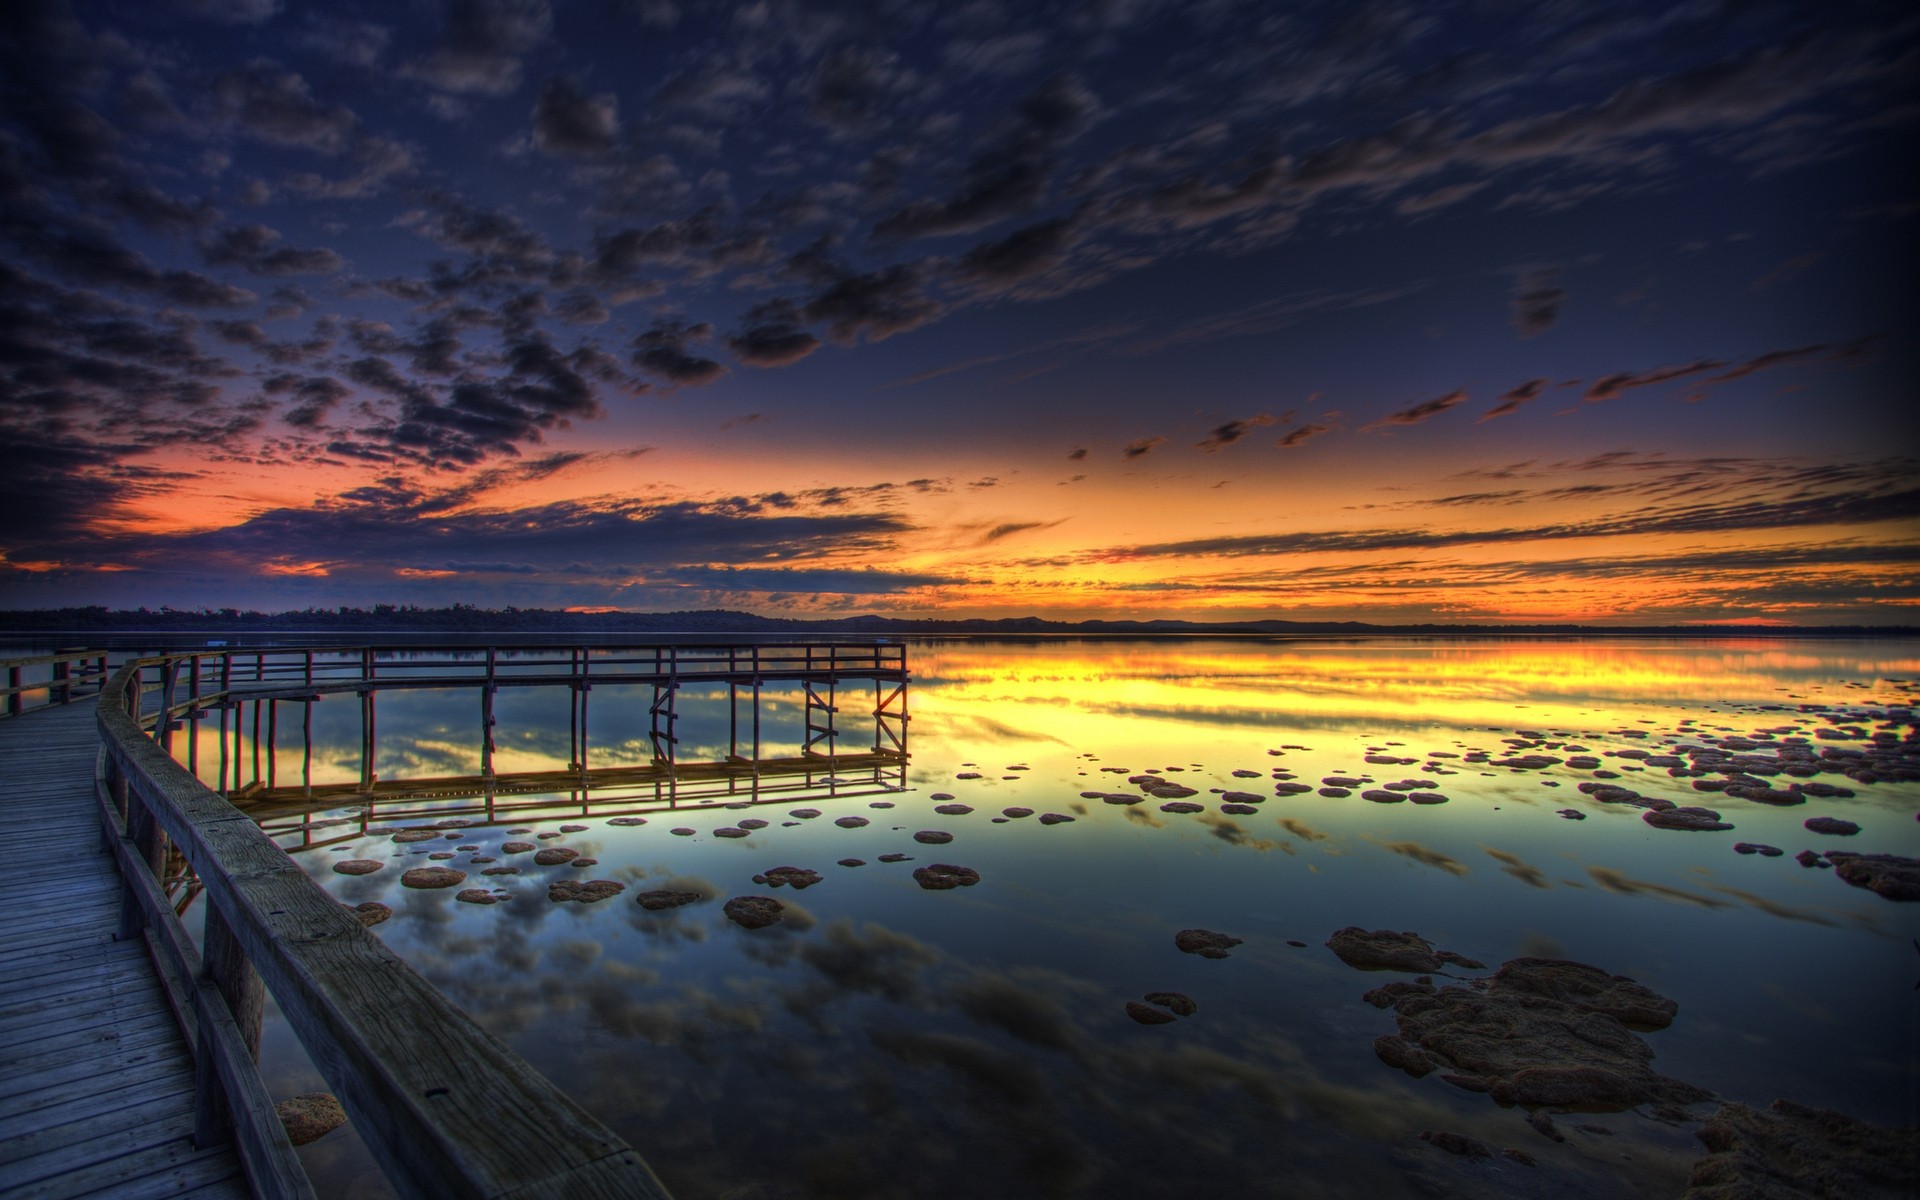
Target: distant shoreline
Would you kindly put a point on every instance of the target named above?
(391, 624)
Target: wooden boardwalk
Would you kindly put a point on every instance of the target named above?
(96, 1080)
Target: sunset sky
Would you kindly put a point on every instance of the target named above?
(1394, 312)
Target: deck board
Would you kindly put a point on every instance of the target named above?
(99, 1098)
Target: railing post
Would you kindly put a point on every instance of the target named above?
(62, 686)
(16, 699)
(226, 967)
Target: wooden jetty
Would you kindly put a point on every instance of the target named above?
(99, 1078)
(129, 1051)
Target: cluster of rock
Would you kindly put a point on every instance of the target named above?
(1162, 1008)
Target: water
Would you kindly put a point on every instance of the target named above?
(885, 1040)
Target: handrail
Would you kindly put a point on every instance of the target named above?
(62, 685)
(443, 1105)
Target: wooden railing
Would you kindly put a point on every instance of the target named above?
(443, 1105)
(52, 679)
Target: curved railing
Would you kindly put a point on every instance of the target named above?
(443, 1105)
(49, 679)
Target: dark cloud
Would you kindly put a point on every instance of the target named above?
(1026, 252)
(1617, 384)
(1424, 411)
(482, 45)
(1537, 296)
(874, 306)
(267, 102)
(772, 343)
(1516, 396)
(662, 351)
(1861, 507)
(567, 124)
(1077, 453)
(1142, 446)
(1303, 433)
(87, 254)
(1222, 436)
(256, 248)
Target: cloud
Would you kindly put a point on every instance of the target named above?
(482, 43)
(1141, 446)
(1537, 296)
(1222, 436)
(1424, 855)
(662, 351)
(1514, 398)
(1620, 883)
(256, 248)
(1414, 415)
(567, 124)
(1617, 384)
(1303, 433)
(772, 337)
(271, 104)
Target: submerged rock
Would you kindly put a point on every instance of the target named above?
(553, 856)
(1385, 950)
(1205, 942)
(1054, 819)
(1182, 806)
(933, 837)
(432, 877)
(628, 821)
(663, 898)
(805, 814)
(799, 878)
(754, 912)
(1148, 1015)
(416, 835)
(953, 810)
(850, 822)
(518, 848)
(1757, 848)
(1793, 1152)
(1237, 810)
(310, 1117)
(371, 912)
(1832, 825)
(1382, 796)
(753, 823)
(1808, 858)
(1427, 797)
(895, 857)
(730, 831)
(1702, 819)
(476, 896)
(1888, 875)
(1178, 1003)
(501, 871)
(1516, 1039)
(940, 877)
(1016, 812)
(358, 866)
(1395, 1052)
(1458, 1143)
(1573, 814)
(587, 892)
(853, 862)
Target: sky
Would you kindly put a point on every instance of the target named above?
(1396, 312)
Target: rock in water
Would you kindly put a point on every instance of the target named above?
(358, 866)
(940, 877)
(310, 1117)
(754, 912)
(371, 913)
(585, 893)
(1887, 875)
(1147, 1014)
(1792, 1152)
(933, 837)
(1541, 1034)
(1833, 825)
(800, 878)
(1178, 1003)
(659, 899)
(1205, 942)
(432, 877)
(1384, 950)
(553, 856)
(1684, 818)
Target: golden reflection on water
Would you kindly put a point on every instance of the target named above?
(884, 1034)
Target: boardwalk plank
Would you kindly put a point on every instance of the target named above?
(99, 1097)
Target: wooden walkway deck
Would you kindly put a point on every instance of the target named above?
(96, 1080)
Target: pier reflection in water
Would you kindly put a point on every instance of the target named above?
(888, 1040)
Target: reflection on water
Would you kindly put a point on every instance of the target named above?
(883, 1039)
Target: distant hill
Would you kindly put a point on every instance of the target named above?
(387, 621)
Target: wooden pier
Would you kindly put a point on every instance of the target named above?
(100, 1083)
(128, 1049)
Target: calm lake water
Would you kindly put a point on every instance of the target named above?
(887, 1040)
